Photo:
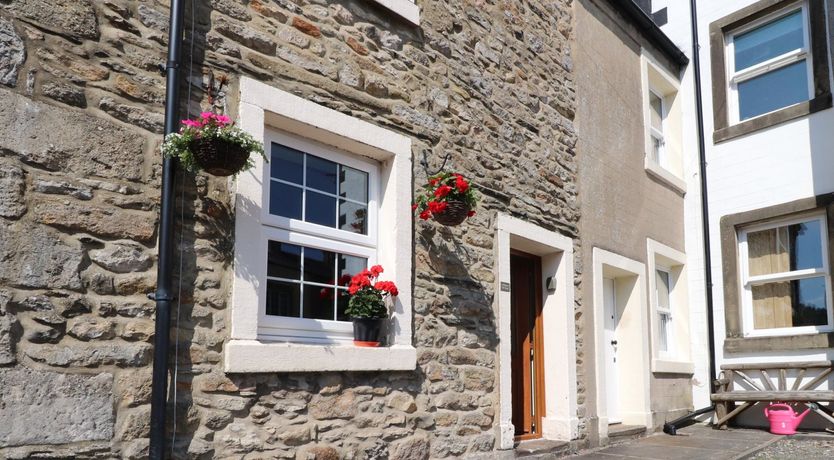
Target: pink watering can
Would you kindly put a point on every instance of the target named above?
(784, 420)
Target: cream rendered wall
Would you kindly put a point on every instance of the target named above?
(622, 204)
(779, 164)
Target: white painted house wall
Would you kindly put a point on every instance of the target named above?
(779, 164)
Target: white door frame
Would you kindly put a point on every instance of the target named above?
(633, 336)
(560, 421)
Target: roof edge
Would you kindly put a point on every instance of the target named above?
(646, 25)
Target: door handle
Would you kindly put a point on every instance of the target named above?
(613, 342)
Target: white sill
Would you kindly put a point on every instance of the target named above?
(248, 356)
(405, 8)
(672, 367)
(664, 175)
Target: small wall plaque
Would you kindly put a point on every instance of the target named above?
(505, 286)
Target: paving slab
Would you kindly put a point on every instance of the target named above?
(696, 442)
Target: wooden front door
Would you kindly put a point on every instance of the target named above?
(527, 345)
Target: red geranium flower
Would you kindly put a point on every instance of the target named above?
(442, 191)
(425, 214)
(437, 207)
(470, 213)
(376, 270)
(461, 184)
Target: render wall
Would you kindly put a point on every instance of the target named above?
(780, 164)
(620, 202)
(82, 111)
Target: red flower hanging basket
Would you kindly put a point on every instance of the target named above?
(455, 213)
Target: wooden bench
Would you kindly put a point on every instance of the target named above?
(736, 385)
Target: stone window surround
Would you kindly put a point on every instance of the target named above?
(616, 266)
(718, 30)
(676, 261)
(670, 85)
(560, 421)
(729, 225)
(407, 9)
(263, 107)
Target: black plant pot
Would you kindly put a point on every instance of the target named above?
(366, 331)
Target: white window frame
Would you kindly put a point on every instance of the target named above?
(660, 310)
(261, 343)
(778, 62)
(747, 281)
(662, 160)
(678, 358)
(407, 9)
(657, 80)
(327, 153)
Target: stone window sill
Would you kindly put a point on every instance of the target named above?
(662, 366)
(407, 9)
(665, 176)
(744, 128)
(778, 343)
(251, 356)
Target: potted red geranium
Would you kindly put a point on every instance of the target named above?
(367, 305)
(448, 198)
(212, 143)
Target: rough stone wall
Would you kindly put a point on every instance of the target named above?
(82, 109)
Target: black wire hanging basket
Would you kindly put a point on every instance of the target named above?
(219, 157)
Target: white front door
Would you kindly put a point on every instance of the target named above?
(609, 344)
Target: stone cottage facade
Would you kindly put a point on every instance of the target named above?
(489, 84)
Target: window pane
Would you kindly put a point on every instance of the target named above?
(349, 266)
(321, 174)
(353, 184)
(319, 266)
(790, 304)
(657, 150)
(769, 40)
(353, 217)
(656, 104)
(282, 298)
(783, 249)
(284, 200)
(319, 302)
(662, 281)
(287, 164)
(342, 303)
(663, 333)
(284, 260)
(320, 209)
(776, 89)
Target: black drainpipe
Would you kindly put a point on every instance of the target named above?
(671, 427)
(164, 293)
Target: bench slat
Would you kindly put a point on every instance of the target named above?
(757, 366)
(774, 396)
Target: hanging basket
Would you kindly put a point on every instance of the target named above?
(454, 214)
(219, 157)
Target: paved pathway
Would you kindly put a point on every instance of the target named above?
(696, 442)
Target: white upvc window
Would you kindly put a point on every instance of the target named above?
(320, 225)
(662, 119)
(785, 277)
(657, 118)
(669, 299)
(663, 294)
(305, 222)
(769, 64)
